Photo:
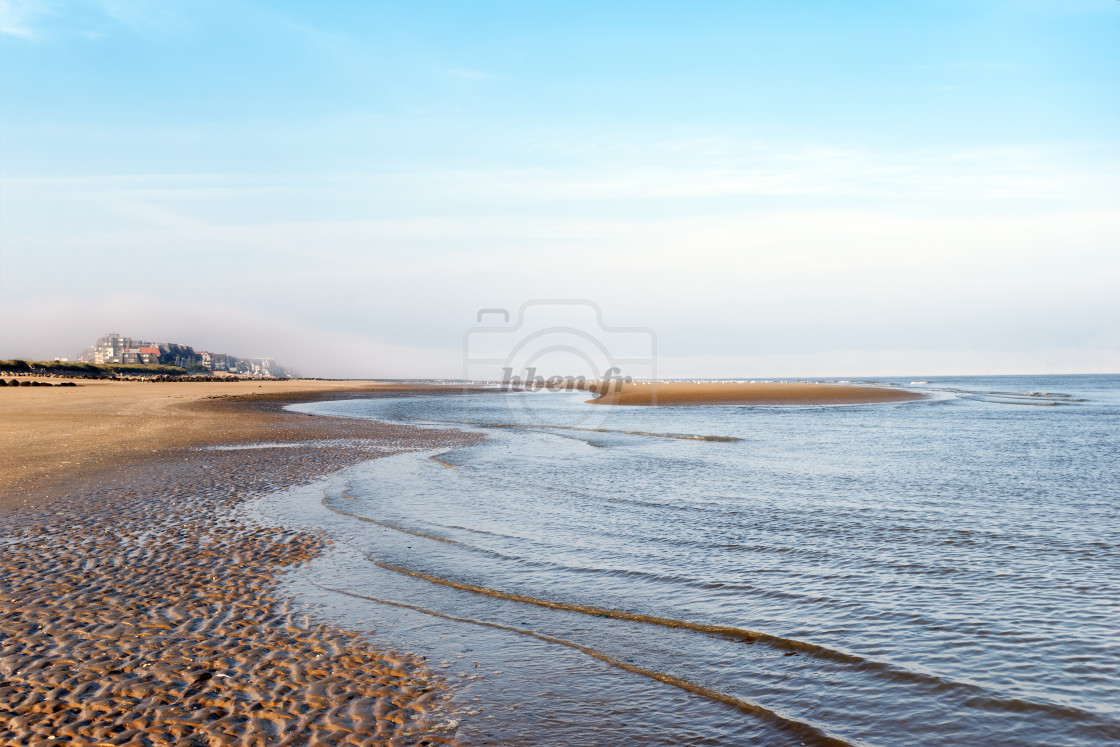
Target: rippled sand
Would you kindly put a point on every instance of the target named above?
(137, 608)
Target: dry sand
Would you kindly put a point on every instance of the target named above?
(719, 393)
(137, 608)
(52, 438)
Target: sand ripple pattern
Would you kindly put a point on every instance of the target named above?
(156, 621)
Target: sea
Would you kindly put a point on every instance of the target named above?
(943, 571)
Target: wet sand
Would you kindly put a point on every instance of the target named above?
(137, 607)
(673, 393)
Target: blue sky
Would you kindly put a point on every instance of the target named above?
(777, 188)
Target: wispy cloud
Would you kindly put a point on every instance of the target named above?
(677, 169)
(1059, 7)
(17, 17)
(965, 246)
(142, 18)
(88, 19)
(469, 74)
(966, 66)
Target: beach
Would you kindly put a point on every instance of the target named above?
(137, 608)
(390, 564)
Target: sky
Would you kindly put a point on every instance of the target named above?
(929, 187)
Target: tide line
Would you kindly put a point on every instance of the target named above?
(969, 693)
(966, 691)
(385, 524)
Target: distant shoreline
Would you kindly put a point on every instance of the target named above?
(697, 394)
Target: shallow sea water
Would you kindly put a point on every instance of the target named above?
(942, 571)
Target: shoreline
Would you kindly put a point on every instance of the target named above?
(134, 609)
(700, 394)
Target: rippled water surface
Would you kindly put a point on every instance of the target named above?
(942, 571)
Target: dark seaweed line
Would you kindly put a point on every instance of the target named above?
(799, 728)
(969, 692)
(972, 692)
